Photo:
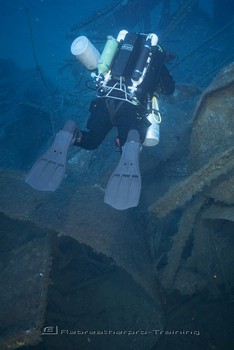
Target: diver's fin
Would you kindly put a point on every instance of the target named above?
(124, 187)
(48, 172)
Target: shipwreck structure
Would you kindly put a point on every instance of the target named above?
(195, 256)
(67, 259)
(201, 249)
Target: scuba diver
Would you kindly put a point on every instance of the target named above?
(128, 76)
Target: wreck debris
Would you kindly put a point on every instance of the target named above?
(24, 283)
(205, 199)
(211, 39)
(185, 228)
(64, 212)
(219, 212)
(211, 256)
(97, 15)
(182, 192)
(180, 15)
(213, 123)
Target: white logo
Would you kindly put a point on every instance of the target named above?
(50, 330)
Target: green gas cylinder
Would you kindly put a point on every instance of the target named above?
(108, 53)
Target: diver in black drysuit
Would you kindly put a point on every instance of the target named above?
(108, 112)
(126, 99)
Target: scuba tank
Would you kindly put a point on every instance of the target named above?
(123, 64)
(107, 56)
(154, 117)
(109, 52)
(143, 61)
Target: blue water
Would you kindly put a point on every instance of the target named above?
(51, 21)
(42, 85)
(36, 38)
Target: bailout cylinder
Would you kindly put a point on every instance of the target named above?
(108, 53)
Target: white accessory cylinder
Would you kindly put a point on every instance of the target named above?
(85, 52)
(152, 134)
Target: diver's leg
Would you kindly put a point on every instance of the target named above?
(129, 118)
(99, 124)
